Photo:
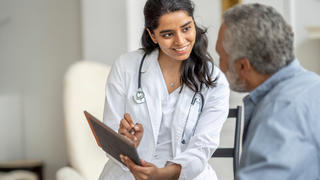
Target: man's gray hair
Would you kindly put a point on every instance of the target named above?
(260, 34)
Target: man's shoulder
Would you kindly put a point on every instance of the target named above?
(299, 87)
(298, 94)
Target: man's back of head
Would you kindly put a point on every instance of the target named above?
(260, 34)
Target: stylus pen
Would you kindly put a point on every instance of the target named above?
(131, 131)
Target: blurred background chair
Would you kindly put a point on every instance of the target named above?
(83, 89)
(18, 175)
(21, 169)
(234, 114)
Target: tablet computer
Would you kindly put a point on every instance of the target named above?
(110, 141)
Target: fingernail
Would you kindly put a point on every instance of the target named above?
(135, 138)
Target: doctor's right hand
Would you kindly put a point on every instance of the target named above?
(136, 133)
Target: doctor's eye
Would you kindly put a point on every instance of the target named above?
(167, 35)
(186, 29)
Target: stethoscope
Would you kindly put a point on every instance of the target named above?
(139, 98)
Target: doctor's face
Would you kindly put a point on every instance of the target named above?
(175, 35)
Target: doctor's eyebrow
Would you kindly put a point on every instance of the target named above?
(166, 31)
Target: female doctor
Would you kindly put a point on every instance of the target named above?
(172, 96)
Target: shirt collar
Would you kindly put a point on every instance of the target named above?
(151, 58)
(284, 73)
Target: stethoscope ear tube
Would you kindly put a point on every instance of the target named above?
(194, 99)
(201, 100)
(140, 68)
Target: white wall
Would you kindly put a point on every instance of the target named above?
(135, 23)
(104, 29)
(12, 142)
(307, 50)
(39, 39)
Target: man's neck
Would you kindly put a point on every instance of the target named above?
(258, 79)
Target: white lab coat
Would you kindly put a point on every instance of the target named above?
(193, 156)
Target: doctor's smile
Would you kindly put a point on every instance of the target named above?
(181, 50)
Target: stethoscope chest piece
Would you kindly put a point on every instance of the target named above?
(139, 97)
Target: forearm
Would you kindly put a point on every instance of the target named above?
(170, 172)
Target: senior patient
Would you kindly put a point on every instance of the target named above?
(281, 138)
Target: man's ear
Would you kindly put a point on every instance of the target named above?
(243, 67)
(152, 36)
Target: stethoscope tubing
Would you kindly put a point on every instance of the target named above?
(140, 68)
(194, 98)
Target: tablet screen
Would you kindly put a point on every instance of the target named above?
(110, 141)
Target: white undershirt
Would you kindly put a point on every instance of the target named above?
(163, 151)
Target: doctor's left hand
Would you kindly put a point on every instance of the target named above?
(149, 171)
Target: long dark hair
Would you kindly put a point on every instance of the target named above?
(195, 70)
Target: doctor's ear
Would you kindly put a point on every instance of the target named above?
(152, 36)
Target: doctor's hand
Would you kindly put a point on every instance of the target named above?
(149, 171)
(126, 124)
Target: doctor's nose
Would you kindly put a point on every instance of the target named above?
(179, 39)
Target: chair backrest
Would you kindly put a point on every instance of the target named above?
(234, 113)
(84, 89)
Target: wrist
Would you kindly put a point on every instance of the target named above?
(171, 172)
(161, 173)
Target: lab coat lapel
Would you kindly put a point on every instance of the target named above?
(150, 83)
(180, 117)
